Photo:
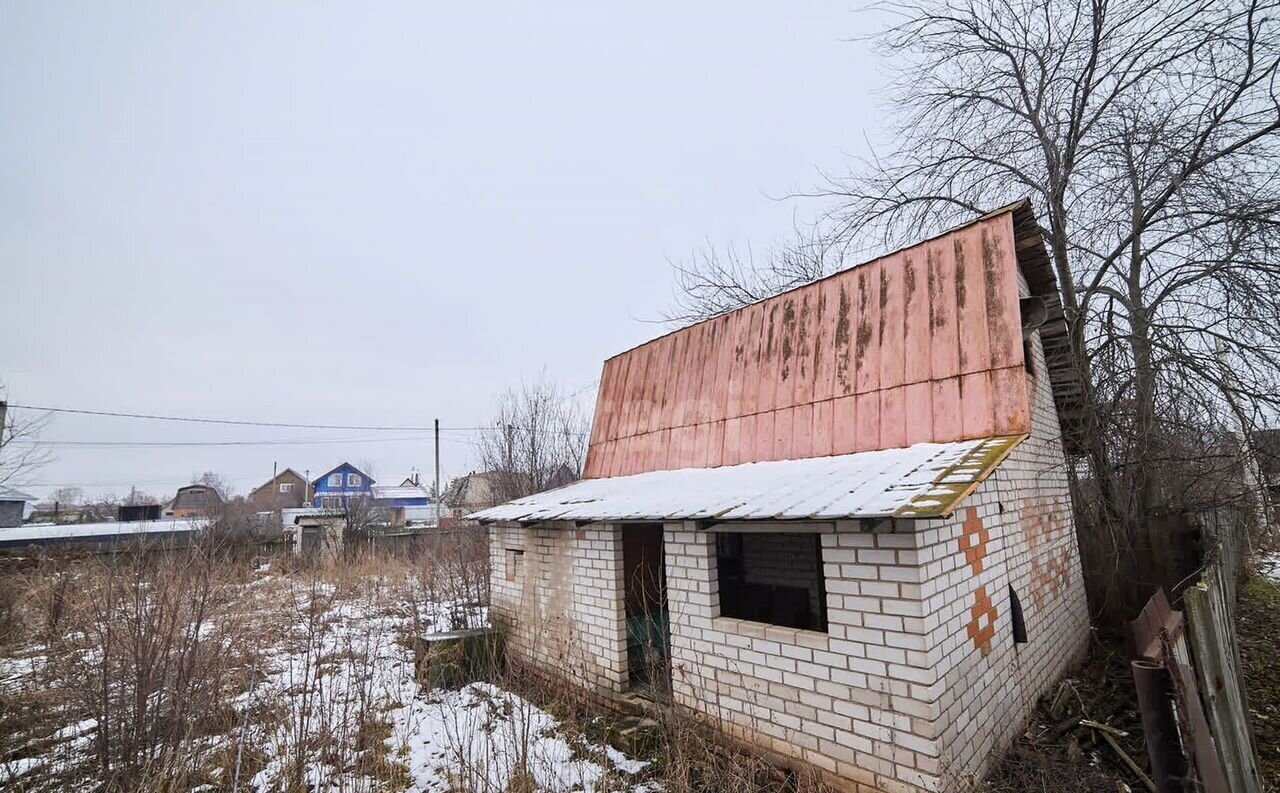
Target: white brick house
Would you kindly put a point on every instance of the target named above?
(847, 506)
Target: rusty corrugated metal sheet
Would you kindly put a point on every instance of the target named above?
(923, 345)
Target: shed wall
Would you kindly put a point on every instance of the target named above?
(563, 606)
(857, 702)
(1017, 532)
(11, 513)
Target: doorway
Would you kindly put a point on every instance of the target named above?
(648, 629)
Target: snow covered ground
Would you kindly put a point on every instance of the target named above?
(333, 706)
(1269, 566)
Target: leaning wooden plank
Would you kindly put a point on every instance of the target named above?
(1217, 671)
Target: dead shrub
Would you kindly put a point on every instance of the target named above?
(144, 658)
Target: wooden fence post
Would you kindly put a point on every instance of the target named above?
(1217, 666)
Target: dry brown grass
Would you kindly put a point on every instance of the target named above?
(684, 752)
(153, 654)
(1258, 617)
(181, 666)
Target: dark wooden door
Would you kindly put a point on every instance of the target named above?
(648, 631)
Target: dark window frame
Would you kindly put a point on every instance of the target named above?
(766, 603)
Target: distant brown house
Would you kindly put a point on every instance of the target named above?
(483, 489)
(194, 501)
(285, 490)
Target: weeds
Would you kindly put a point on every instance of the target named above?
(189, 669)
(1258, 613)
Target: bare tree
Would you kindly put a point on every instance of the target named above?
(215, 481)
(102, 508)
(68, 496)
(1145, 132)
(137, 496)
(538, 439)
(716, 280)
(20, 454)
(360, 515)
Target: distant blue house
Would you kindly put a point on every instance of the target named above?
(340, 486)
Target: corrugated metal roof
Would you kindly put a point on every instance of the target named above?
(920, 481)
(400, 491)
(82, 531)
(921, 345)
(9, 494)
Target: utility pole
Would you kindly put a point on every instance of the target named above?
(437, 498)
(4, 412)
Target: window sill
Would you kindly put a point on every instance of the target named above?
(774, 633)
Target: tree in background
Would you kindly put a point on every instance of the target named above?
(1145, 133)
(537, 440)
(19, 453)
(137, 496)
(67, 497)
(210, 479)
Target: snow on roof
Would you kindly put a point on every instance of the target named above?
(922, 481)
(74, 531)
(9, 494)
(399, 491)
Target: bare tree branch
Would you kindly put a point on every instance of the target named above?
(537, 440)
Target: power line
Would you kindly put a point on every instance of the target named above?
(252, 423)
(134, 482)
(183, 444)
(236, 422)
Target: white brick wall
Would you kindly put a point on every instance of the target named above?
(564, 608)
(857, 701)
(1025, 507)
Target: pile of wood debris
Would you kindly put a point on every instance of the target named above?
(1085, 736)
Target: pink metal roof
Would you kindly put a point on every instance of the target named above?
(923, 345)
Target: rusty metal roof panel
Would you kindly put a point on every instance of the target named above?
(926, 480)
(921, 345)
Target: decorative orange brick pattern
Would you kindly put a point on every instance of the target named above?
(982, 620)
(973, 543)
(1042, 520)
(1050, 578)
(982, 614)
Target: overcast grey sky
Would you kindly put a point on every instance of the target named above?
(378, 213)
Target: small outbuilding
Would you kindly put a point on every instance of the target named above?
(834, 523)
(13, 507)
(133, 513)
